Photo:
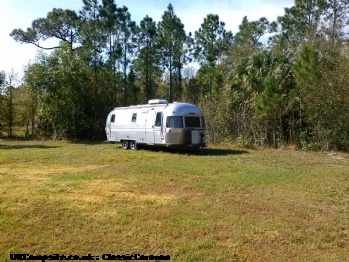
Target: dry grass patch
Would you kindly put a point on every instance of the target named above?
(100, 190)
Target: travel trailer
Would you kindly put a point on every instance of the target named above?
(156, 123)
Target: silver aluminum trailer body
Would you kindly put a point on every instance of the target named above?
(156, 123)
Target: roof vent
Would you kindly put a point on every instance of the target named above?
(157, 101)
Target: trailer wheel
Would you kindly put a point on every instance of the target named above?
(125, 144)
(133, 145)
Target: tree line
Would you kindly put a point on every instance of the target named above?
(283, 82)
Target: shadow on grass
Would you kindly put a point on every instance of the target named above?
(195, 151)
(25, 146)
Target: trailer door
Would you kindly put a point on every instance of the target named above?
(149, 126)
(158, 132)
(109, 132)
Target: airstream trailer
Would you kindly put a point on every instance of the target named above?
(156, 123)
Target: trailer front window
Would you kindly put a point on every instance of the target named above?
(174, 122)
(192, 121)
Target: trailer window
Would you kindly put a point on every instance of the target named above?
(192, 121)
(174, 121)
(112, 119)
(158, 119)
(134, 117)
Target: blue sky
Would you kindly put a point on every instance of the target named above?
(20, 14)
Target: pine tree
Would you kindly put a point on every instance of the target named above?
(171, 38)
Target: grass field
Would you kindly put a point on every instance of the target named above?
(222, 204)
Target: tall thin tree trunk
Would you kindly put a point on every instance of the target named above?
(171, 98)
(10, 110)
(125, 77)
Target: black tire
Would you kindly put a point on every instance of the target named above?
(133, 145)
(125, 144)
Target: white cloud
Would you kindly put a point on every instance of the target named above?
(231, 12)
(21, 13)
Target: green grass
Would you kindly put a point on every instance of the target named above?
(221, 204)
